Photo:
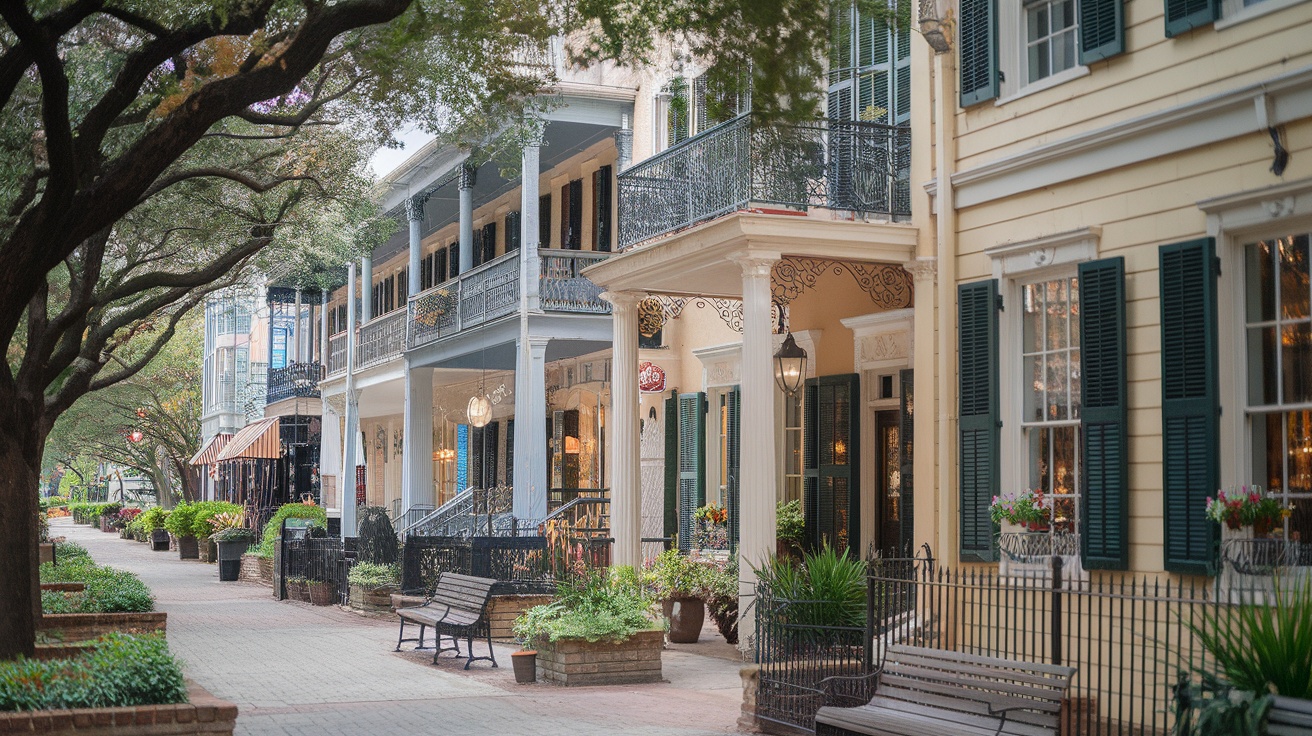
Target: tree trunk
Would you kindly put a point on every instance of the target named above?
(20, 472)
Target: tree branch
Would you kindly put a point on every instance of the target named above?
(250, 182)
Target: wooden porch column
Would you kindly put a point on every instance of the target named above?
(756, 535)
(530, 471)
(352, 429)
(626, 457)
(417, 443)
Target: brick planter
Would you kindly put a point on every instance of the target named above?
(577, 662)
(205, 714)
(502, 611)
(82, 626)
(256, 570)
(46, 552)
(64, 587)
(371, 600)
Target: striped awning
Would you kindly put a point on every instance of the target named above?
(258, 441)
(210, 452)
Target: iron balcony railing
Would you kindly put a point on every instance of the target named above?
(337, 354)
(841, 165)
(563, 288)
(297, 379)
(381, 339)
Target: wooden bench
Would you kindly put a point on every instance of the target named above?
(1289, 717)
(457, 608)
(931, 692)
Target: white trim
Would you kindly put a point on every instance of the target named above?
(1048, 82)
(1278, 100)
(722, 365)
(882, 340)
(1029, 257)
(1255, 210)
(1252, 12)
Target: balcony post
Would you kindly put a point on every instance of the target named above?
(529, 217)
(323, 328)
(414, 212)
(467, 179)
(623, 145)
(417, 443)
(296, 329)
(626, 458)
(530, 471)
(366, 288)
(757, 483)
(352, 430)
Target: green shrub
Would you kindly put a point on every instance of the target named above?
(790, 526)
(673, 575)
(110, 509)
(373, 575)
(288, 511)
(1263, 648)
(68, 551)
(152, 519)
(234, 534)
(598, 605)
(204, 510)
(120, 670)
(179, 521)
(828, 589)
(108, 590)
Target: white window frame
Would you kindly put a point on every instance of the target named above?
(1012, 55)
(1235, 12)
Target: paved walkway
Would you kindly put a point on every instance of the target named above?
(296, 669)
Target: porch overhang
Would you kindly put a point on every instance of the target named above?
(704, 260)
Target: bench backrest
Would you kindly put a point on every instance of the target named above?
(1289, 717)
(971, 683)
(462, 592)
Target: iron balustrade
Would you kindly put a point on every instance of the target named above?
(297, 379)
(381, 339)
(519, 564)
(854, 166)
(337, 354)
(563, 288)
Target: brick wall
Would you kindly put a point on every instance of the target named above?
(205, 714)
(256, 570)
(575, 662)
(83, 626)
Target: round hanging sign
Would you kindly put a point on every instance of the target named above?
(651, 378)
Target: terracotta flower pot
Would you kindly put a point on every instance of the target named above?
(526, 666)
(296, 590)
(686, 616)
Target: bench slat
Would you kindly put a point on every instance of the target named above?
(1053, 682)
(881, 722)
(894, 699)
(953, 658)
(951, 680)
(910, 690)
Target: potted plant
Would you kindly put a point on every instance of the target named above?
(722, 598)
(178, 524)
(232, 542)
(680, 584)
(107, 514)
(789, 528)
(372, 585)
(598, 631)
(152, 521)
(1031, 510)
(712, 530)
(202, 527)
(296, 588)
(321, 592)
(1247, 507)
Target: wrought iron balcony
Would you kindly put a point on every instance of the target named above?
(381, 339)
(840, 165)
(297, 379)
(562, 288)
(337, 354)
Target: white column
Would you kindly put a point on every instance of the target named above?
(414, 211)
(417, 444)
(466, 217)
(351, 441)
(624, 431)
(366, 288)
(623, 145)
(924, 271)
(296, 329)
(323, 328)
(756, 537)
(530, 471)
(529, 217)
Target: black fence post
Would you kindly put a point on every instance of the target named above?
(1056, 609)
(868, 656)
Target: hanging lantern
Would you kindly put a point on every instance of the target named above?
(480, 409)
(790, 366)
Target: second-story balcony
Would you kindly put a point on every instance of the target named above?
(381, 339)
(858, 167)
(337, 354)
(297, 379)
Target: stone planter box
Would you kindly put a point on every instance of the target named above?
(256, 570)
(207, 549)
(82, 626)
(205, 714)
(502, 611)
(371, 600)
(577, 662)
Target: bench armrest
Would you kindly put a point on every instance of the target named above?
(848, 691)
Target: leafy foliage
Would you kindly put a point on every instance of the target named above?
(108, 590)
(596, 605)
(372, 575)
(1264, 648)
(120, 670)
(377, 537)
(825, 588)
(789, 524)
(673, 575)
(722, 599)
(1214, 707)
(273, 527)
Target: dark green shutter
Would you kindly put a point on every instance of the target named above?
(978, 418)
(491, 444)
(1190, 407)
(831, 434)
(1104, 513)
(602, 195)
(489, 241)
(1185, 15)
(906, 446)
(544, 221)
(512, 231)
(692, 462)
(510, 453)
(478, 247)
(979, 51)
(733, 442)
(1102, 29)
(672, 465)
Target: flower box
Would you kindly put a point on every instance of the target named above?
(577, 662)
(203, 714)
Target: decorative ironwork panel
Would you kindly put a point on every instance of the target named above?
(297, 379)
(889, 286)
(849, 165)
(489, 291)
(563, 288)
(381, 339)
(337, 354)
(434, 314)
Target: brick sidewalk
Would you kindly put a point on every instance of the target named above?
(296, 669)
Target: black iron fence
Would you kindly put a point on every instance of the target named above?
(297, 379)
(1129, 636)
(521, 564)
(314, 559)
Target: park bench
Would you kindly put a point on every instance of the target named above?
(1289, 717)
(930, 692)
(457, 608)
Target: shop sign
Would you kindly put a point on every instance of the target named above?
(651, 378)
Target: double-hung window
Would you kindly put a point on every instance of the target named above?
(1050, 38)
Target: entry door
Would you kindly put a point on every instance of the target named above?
(888, 481)
(832, 494)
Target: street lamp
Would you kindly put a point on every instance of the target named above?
(790, 366)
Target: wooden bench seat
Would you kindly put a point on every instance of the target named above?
(457, 608)
(1289, 717)
(930, 692)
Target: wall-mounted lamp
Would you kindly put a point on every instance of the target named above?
(790, 366)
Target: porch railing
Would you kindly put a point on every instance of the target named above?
(562, 286)
(842, 165)
(297, 379)
(481, 295)
(337, 354)
(381, 339)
